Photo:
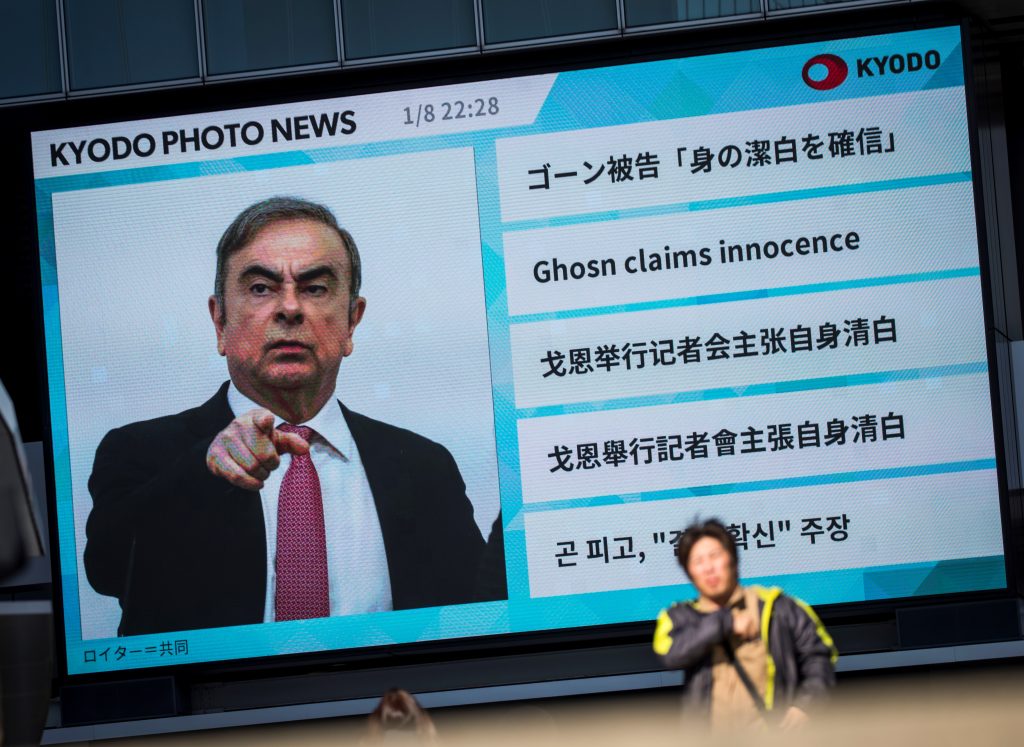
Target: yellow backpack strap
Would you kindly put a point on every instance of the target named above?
(663, 634)
(768, 597)
(820, 627)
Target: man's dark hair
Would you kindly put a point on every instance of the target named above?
(256, 217)
(698, 530)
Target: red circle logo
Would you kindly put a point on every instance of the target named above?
(836, 71)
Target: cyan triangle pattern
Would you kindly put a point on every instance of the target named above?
(680, 93)
(956, 575)
(950, 72)
(625, 99)
(941, 578)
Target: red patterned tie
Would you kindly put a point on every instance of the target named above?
(301, 542)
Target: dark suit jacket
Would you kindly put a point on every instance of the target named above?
(182, 549)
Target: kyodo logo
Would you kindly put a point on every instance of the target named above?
(823, 72)
(896, 64)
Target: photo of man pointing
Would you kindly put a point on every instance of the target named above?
(272, 501)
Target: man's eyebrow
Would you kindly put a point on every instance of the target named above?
(317, 272)
(260, 271)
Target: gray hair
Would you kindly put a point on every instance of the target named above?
(256, 217)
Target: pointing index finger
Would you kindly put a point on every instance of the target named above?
(263, 420)
(290, 442)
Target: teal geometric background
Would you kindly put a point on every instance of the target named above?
(663, 90)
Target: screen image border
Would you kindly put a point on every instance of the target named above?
(750, 41)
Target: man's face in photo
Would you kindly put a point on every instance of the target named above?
(711, 568)
(285, 323)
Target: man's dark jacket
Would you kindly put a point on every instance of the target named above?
(182, 549)
(801, 655)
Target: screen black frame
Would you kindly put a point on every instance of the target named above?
(506, 64)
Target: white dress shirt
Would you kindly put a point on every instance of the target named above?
(357, 566)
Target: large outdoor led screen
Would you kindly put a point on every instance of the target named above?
(593, 305)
